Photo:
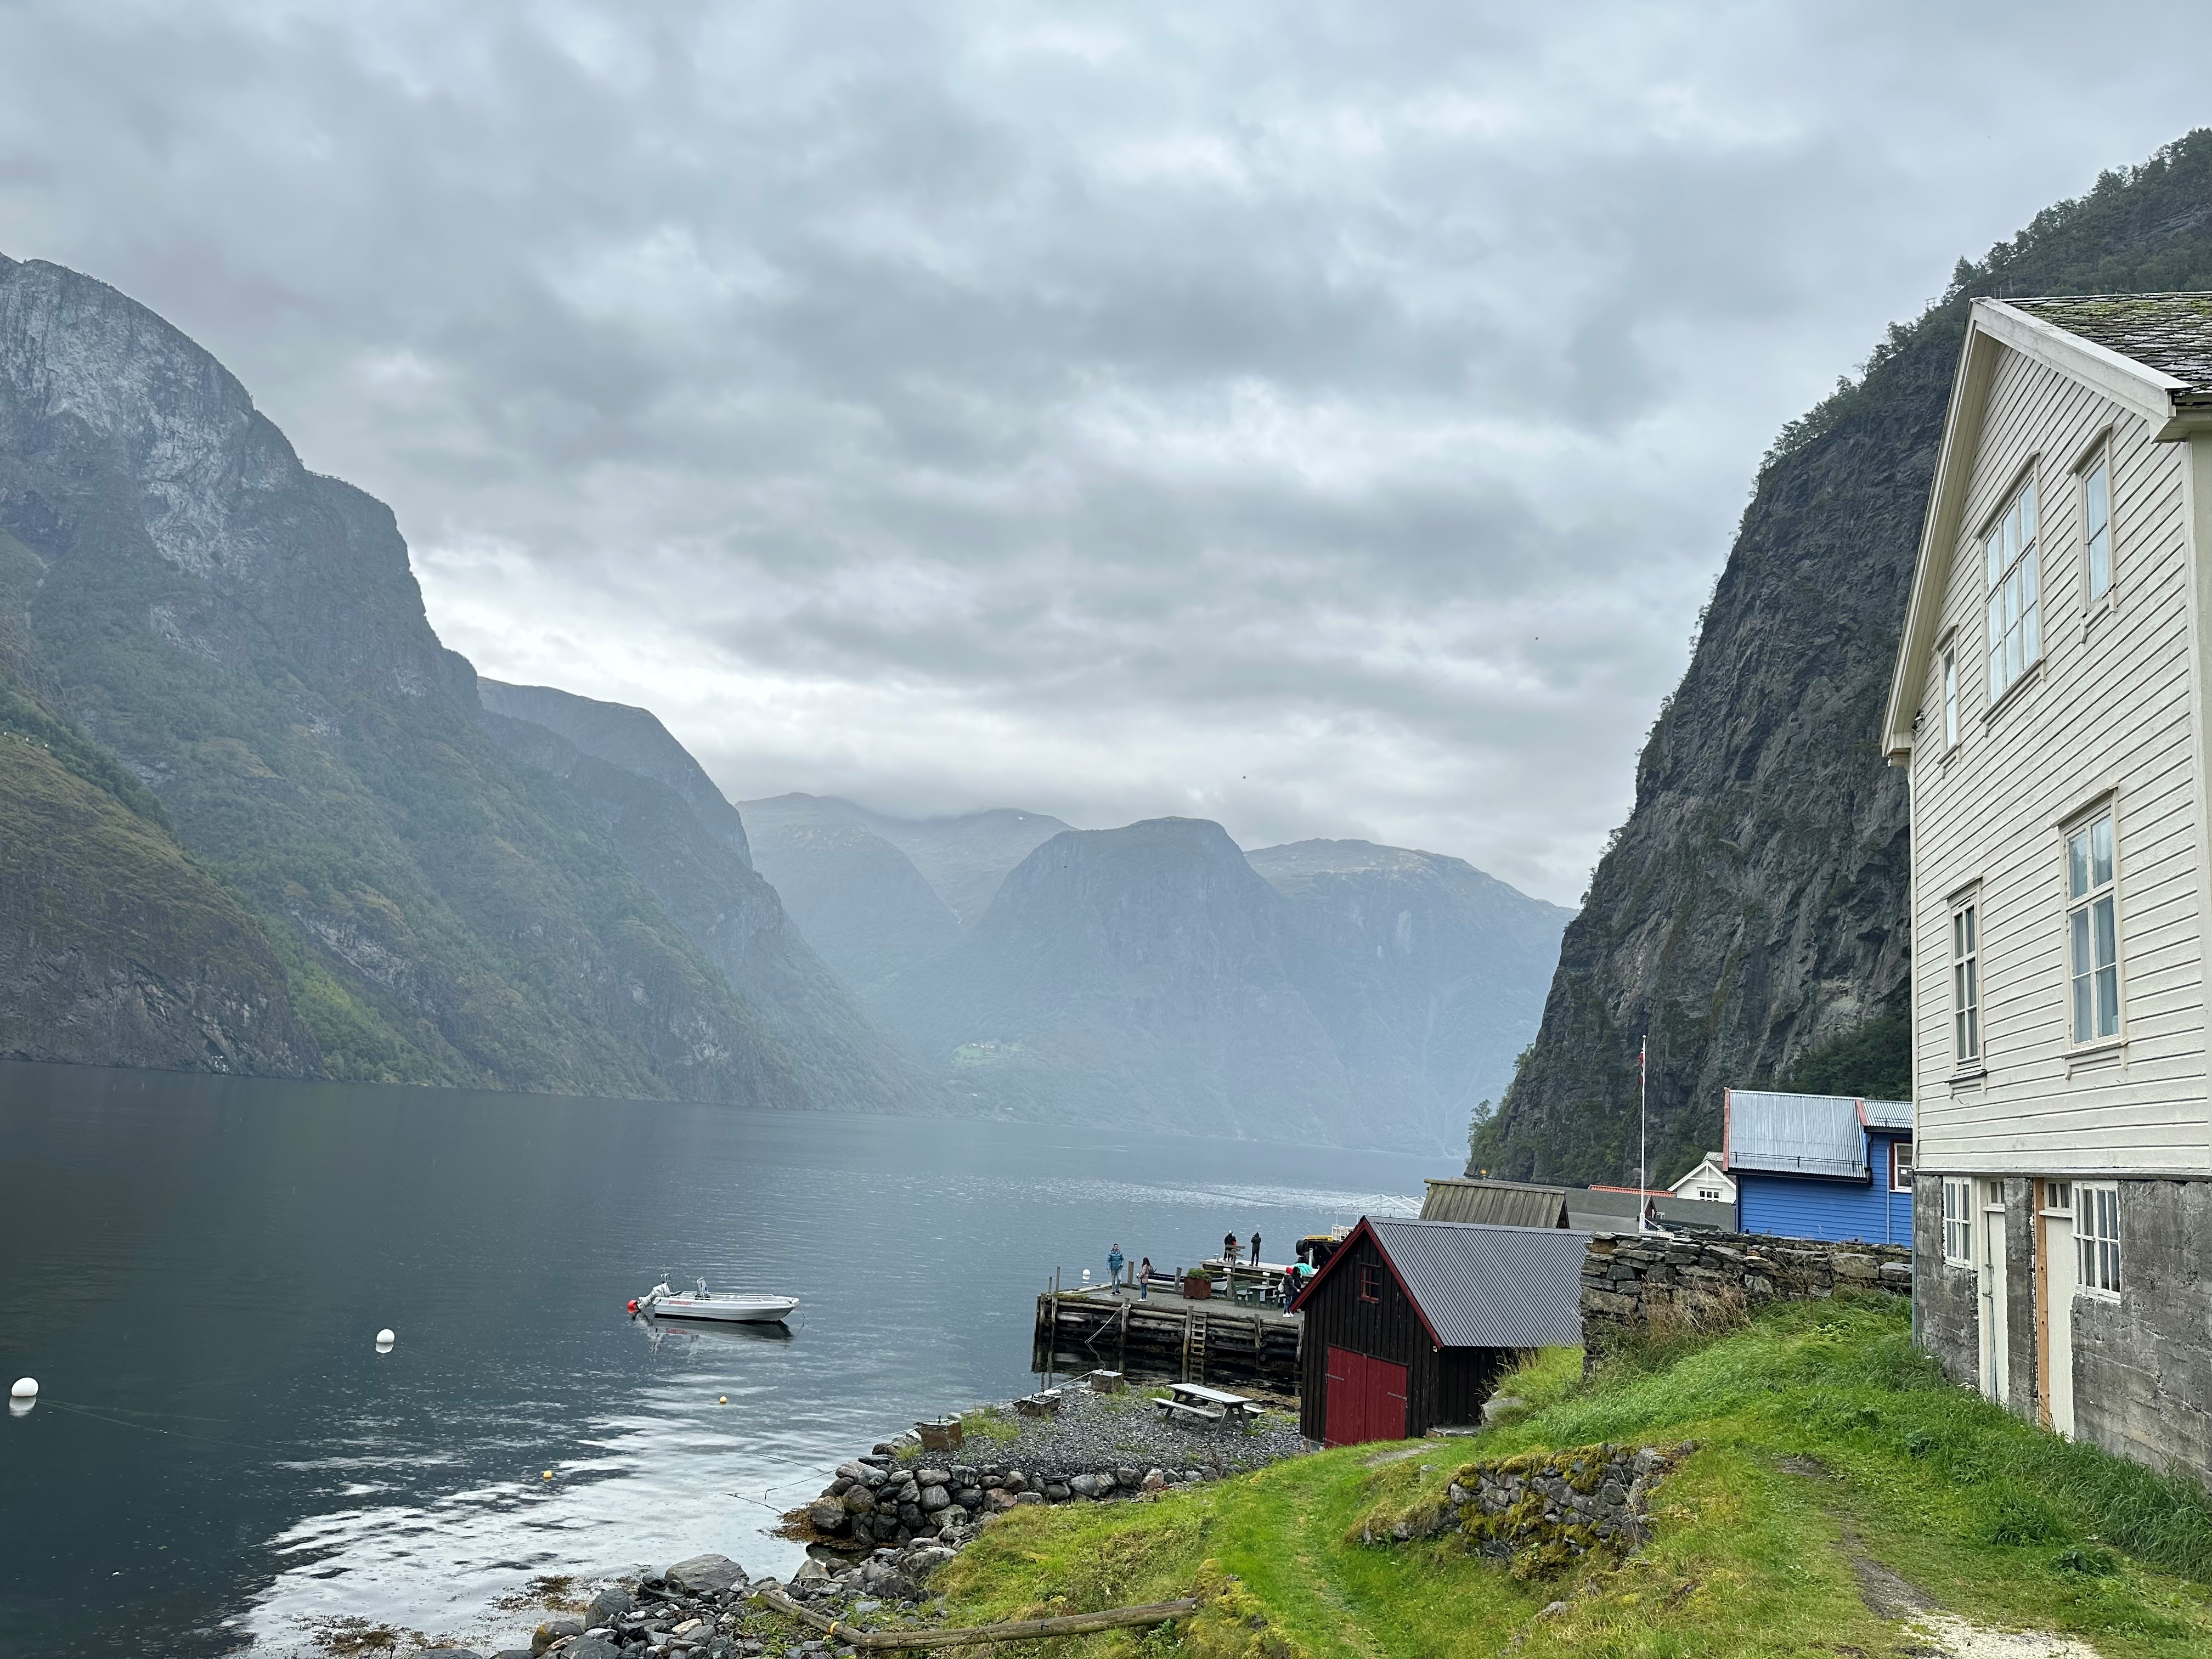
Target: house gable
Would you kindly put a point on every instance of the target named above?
(1993, 328)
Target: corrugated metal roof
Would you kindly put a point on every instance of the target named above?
(1795, 1134)
(1481, 1286)
(1888, 1114)
(1495, 1203)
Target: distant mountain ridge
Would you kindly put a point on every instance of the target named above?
(1329, 991)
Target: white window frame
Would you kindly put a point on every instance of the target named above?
(2097, 537)
(2097, 1270)
(1958, 1221)
(2012, 585)
(1966, 981)
(1950, 697)
(1900, 1157)
(2096, 986)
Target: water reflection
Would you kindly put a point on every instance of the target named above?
(194, 1264)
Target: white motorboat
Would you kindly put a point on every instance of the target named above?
(734, 1307)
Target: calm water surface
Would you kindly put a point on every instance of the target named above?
(195, 1269)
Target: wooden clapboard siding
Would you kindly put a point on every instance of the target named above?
(2114, 706)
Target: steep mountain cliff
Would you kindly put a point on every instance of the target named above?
(858, 900)
(1428, 975)
(231, 647)
(1751, 914)
(676, 833)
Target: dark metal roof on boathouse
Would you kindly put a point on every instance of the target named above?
(1502, 1203)
(1479, 1286)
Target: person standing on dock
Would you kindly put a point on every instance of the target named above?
(1144, 1279)
(1255, 1249)
(1115, 1262)
(1229, 1249)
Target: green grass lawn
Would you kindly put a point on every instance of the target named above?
(1820, 1430)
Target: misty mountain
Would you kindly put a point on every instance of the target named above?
(1428, 975)
(963, 857)
(858, 900)
(1751, 914)
(257, 821)
(1153, 975)
(676, 834)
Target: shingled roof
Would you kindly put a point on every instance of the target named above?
(2169, 332)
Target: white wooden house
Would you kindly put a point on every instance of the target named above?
(1707, 1181)
(2048, 705)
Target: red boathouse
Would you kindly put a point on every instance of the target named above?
(1411, 1323)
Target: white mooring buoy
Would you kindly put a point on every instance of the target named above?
(385, 1338)
(24, 1387)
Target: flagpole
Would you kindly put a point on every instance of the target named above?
(1642, 1095)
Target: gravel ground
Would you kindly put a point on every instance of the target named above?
(1095, 1429)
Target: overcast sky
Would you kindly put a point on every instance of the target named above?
(1328, 419)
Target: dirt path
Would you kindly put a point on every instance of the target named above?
(1938, 1635)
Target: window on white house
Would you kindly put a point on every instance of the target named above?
(2092, 940)
(1965, 986)
(2097, 1236)
(1900, 1166)
(1951, 699)
(1958, 1223)
(2097, 522)
(2010, 563)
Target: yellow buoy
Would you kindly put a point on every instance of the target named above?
(721, 1400)
(548, 1475)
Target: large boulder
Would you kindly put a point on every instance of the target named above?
(828, 1514)
(710, 1575)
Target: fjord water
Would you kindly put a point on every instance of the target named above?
(195, 1269)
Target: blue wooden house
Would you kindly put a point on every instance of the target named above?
(1819, 1166)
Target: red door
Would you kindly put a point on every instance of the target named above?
(1366, 1400)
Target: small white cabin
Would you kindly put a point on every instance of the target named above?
(1708, 1182)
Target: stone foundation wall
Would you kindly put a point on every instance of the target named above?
(1635, 1283)
(875, 1500)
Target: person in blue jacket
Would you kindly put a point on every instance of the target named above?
(1115, 1262)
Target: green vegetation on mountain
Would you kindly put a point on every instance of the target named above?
(1835, 1469)
(1753, 910)
(199, 636)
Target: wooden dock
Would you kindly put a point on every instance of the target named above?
(1166, 1335)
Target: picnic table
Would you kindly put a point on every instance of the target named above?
(1195, 1400)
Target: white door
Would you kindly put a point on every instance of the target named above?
(2058, 1293)
(1996, 1347)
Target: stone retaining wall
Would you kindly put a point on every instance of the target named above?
(1541, 1511)
(875, 1500)
(1636, 1283)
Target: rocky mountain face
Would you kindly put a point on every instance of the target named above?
(633, 739)
(1751, 915)
(252, 730)
(1330, 992)
(1428, 975)
(859, 899)
(676, 834)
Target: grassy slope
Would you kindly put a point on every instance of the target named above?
(1992, 1518)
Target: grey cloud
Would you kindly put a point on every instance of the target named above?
(1328, 418)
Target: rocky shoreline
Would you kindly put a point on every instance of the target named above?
(892, 1516)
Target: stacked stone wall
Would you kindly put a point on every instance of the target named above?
(1636, 1284)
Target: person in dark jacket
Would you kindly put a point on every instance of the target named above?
(1255, 1249)
(1229, 1249)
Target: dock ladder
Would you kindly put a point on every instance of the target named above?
(1194, 1344)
